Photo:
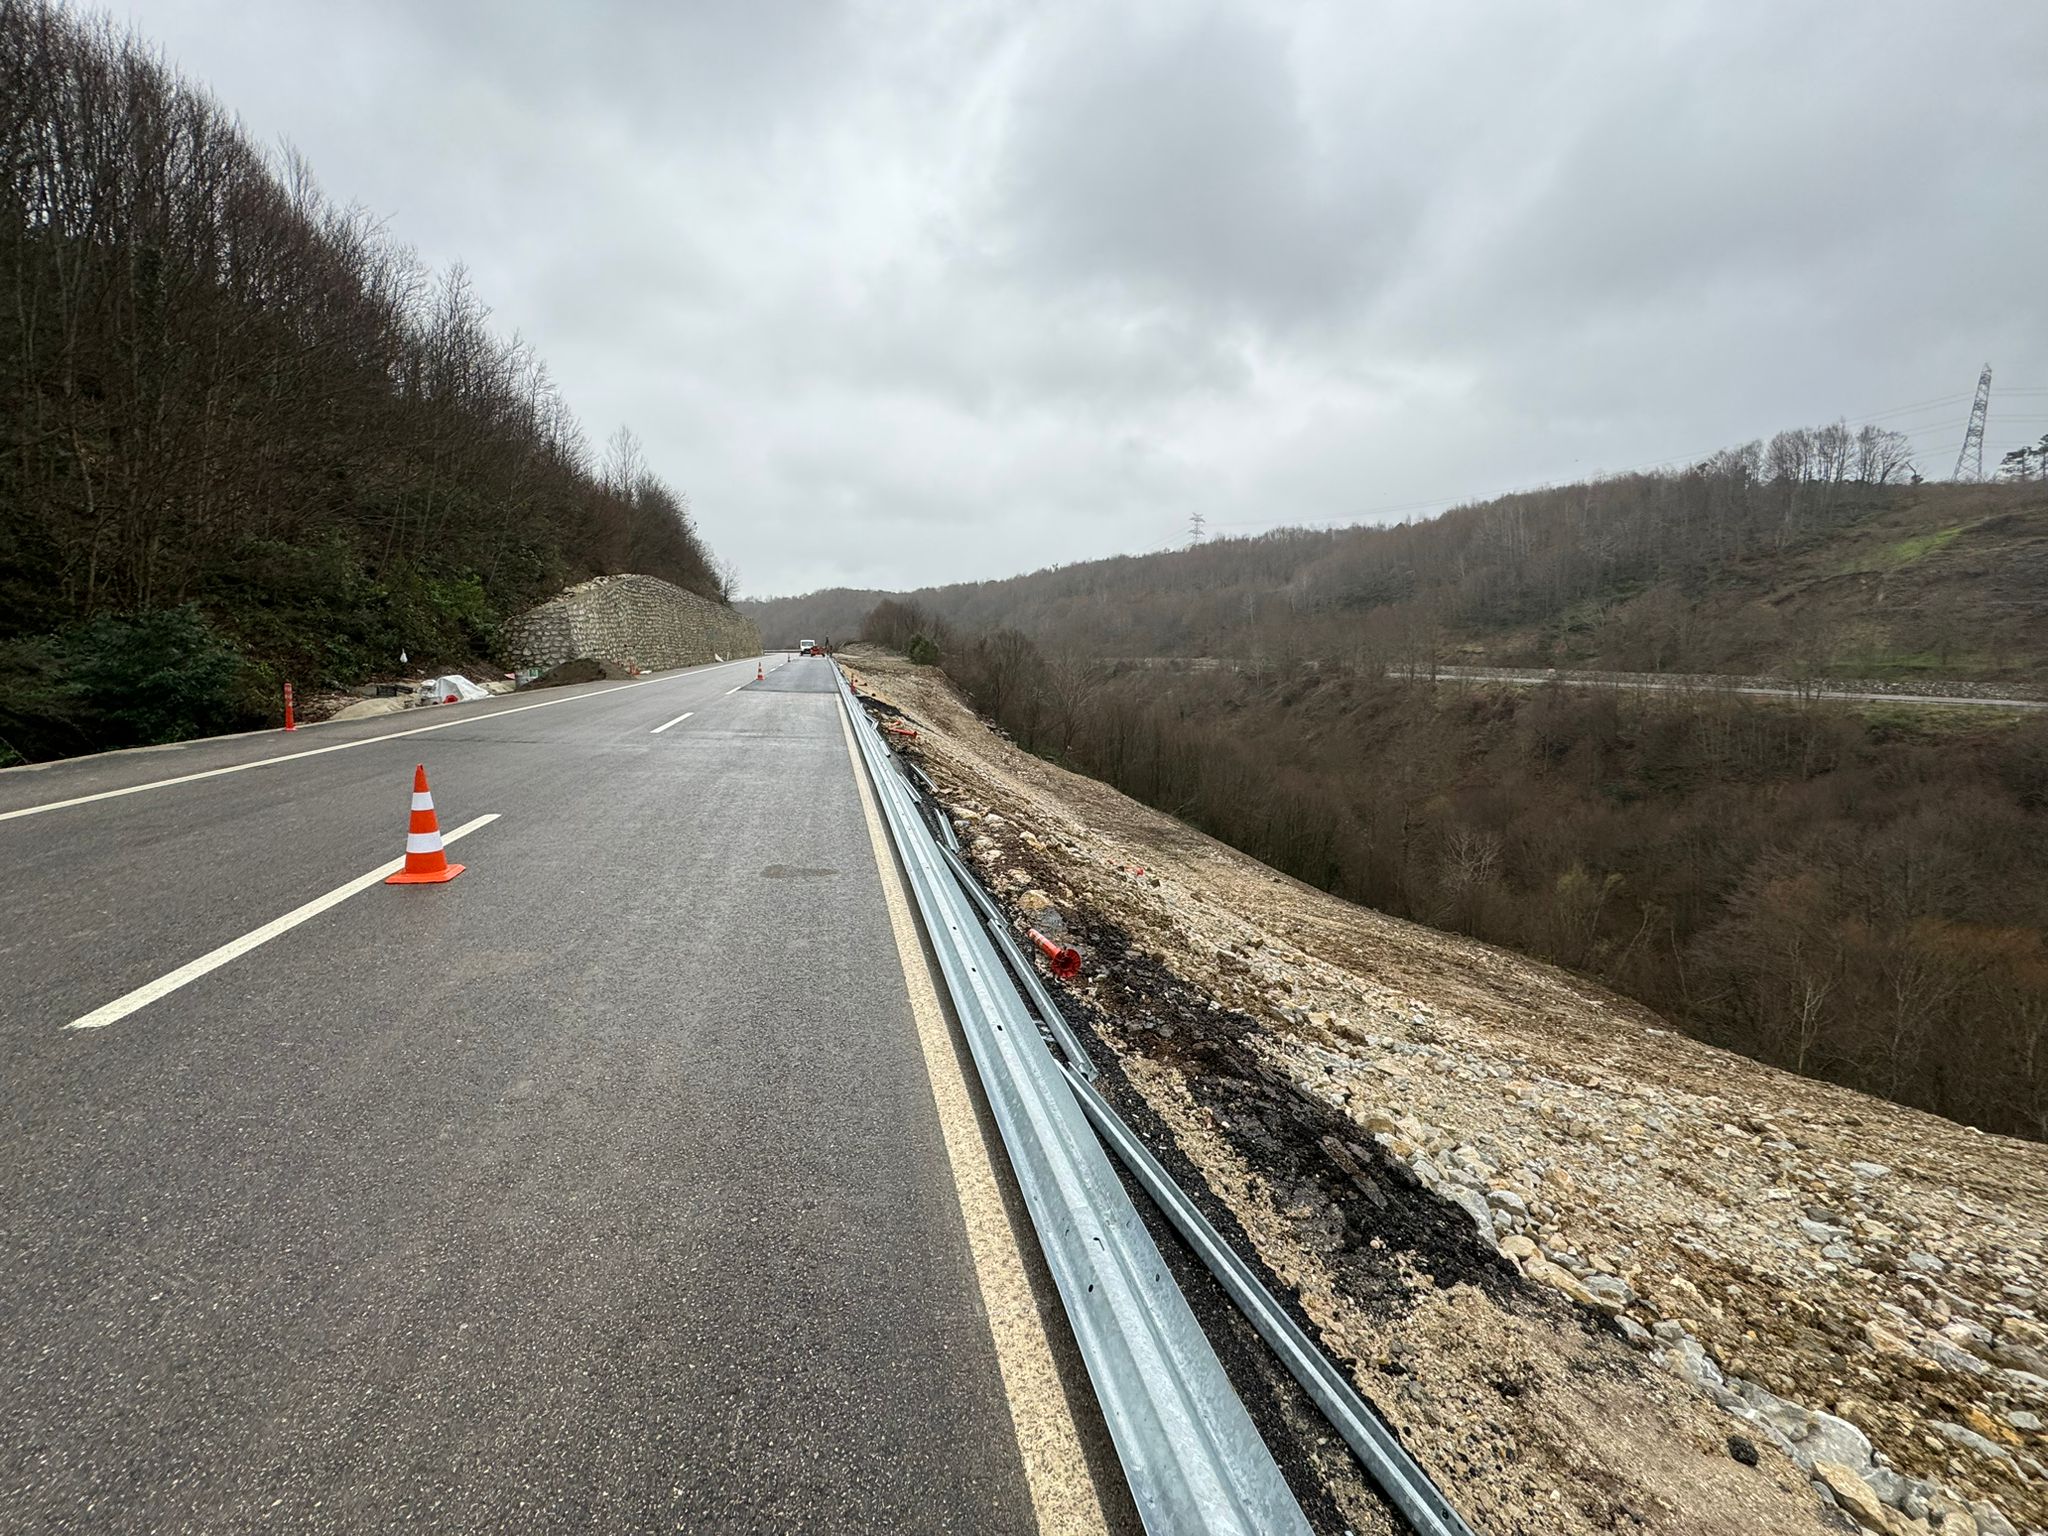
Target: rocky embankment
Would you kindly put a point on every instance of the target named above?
(629, 620)
(1597, 1275)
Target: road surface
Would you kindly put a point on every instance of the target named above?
(604, 1188)
(1531, 677)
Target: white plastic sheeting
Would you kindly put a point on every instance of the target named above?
(435, 690)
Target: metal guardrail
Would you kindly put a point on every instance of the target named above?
(1386, 1461)
(1195, 1463)
(1407, 1487)
(1405, 1484)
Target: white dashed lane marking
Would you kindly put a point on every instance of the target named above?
(214, 959)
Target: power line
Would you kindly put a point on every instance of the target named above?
(1918, 405)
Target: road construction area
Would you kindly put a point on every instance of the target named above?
(625, 1182)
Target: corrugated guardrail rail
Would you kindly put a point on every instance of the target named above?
(1195, 1463)
(992, 1011)
(1407, 1487)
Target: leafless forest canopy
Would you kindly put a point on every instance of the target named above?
(245, 428)
(1857, 894)
(1799, 556)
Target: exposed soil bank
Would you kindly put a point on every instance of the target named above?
(1598, 1276)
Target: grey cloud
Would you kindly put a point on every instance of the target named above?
(903, 293)
(1173, 160)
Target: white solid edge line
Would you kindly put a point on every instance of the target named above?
(679, 719)
(341, 746)
(214, 959)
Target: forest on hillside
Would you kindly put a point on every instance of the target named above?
(1815, 553)
(1857, 894)
(245, 436)
(1861, 896)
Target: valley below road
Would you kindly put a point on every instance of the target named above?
(1597, 1275)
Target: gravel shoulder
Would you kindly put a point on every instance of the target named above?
(1598, 1276)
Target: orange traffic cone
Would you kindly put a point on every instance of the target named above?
(1064, 959)
(759, 675)
(425, 863)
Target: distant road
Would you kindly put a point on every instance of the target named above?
(1658, 682)
(602, 1189)
(1536, 677)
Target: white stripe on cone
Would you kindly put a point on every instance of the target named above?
(423, 800)
(422, 842)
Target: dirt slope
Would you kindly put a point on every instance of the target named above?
(1598, 1276)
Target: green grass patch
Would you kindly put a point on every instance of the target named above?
(1903, 552)
(1906, 551)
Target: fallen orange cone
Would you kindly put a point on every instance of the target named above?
(426, 863)
(1063, 959)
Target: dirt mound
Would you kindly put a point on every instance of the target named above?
(583, 669)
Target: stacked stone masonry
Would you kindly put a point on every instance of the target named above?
(638, 620)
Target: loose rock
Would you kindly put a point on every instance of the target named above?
(1852, 1493)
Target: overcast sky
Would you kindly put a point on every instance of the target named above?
(904, 293)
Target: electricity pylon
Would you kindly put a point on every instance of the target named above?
(1970, 462)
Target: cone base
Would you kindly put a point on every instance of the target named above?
(430, 877)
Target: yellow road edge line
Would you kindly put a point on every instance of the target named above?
(1062, 1488)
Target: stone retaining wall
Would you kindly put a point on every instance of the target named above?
(638, 619)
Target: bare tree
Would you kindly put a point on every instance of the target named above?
(218, 387)
(1882, 456)
(625, 463)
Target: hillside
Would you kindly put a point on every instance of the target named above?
(1597, 1275)
(1852, 890)
(245, 435)
(1723, 568)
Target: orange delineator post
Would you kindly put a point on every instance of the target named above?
(425, 862)
(289, 723)
(759, 675)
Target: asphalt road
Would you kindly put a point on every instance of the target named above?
(1530, 677)
(600, 1189)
